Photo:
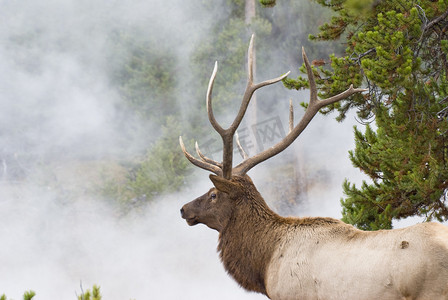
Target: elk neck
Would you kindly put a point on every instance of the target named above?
(247, 243)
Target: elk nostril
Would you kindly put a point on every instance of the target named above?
(182, 211)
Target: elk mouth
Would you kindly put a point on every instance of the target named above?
(192, 221)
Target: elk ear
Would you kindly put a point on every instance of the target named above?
(222, 184)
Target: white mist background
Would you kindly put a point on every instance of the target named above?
(55, 97)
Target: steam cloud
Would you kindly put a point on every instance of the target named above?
(56, 103)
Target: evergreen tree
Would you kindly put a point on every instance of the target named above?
(144, 69)
(399, 49)
(28, 295)
(95, 294)
(146, 72)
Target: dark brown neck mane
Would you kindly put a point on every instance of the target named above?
(254, 232)
(247, 243)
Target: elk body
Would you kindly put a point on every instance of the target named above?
(309, 258)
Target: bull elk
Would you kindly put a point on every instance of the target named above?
(309, 257)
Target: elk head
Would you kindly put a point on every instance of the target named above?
(216, 207)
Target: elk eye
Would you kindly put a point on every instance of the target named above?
(213, 196)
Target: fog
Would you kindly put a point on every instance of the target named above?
(53, 248)
(58, 110)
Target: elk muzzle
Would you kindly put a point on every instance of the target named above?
(209, 210)
(188, 214)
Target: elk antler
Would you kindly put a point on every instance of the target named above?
(240, 147)
(313, 107)
(227, 134)
(225, 169)
(204, 163)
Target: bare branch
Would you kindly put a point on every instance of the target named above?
(291, 116)
(360, 56)
(436, 20)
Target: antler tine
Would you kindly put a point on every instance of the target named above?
(311, 79)
(313, 107)
(226, 135)
(314, 101)
(205, 158)
(240, 147)
(250, 69)
(250, 60)
(210, 114)
(199, 163)
(270, 81)
(251, 87)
